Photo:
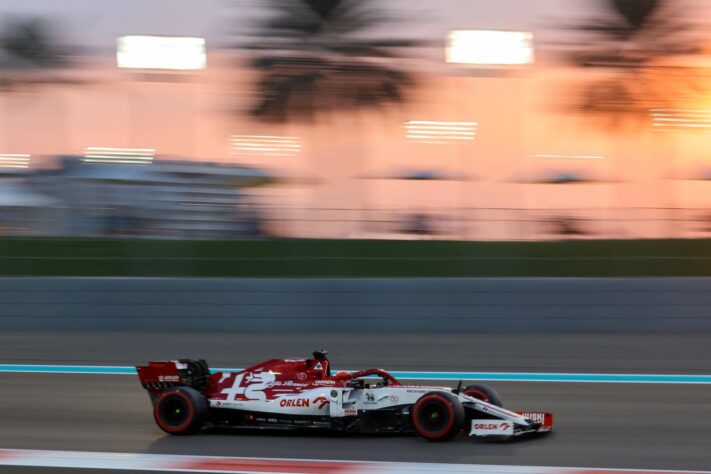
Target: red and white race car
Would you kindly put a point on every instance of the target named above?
(303, 393)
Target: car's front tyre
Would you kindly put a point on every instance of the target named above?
(484, 393)
(180, 411)
(438, 416)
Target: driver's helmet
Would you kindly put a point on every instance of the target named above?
(343, 375)
(320, 367)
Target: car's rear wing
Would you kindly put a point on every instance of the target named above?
(159, 375)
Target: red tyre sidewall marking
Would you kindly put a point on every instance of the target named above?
(186, 423)
(440, 433)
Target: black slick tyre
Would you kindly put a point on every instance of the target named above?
(438, 416)
(180, 411)
(484, 393)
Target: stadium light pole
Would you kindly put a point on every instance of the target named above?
(490, 48)
(159, 58)
(491, 53)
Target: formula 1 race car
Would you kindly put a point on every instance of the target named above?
(303, 393)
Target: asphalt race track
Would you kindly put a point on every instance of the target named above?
(597, 425)
(602, 353)
(646, 426)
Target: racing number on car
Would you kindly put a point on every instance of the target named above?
(251, 386)
(237, 389)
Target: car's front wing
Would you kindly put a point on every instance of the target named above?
(495, 421)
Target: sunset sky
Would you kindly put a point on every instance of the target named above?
(96, 24)
(516, 121)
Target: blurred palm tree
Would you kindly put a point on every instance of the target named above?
(29, 54)
(327, 58)
(641, 56)
(320, 57)
(634, 53)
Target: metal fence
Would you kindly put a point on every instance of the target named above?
(489, 223)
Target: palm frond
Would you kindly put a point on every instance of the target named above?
(29, 44)
(31, 56)
(636, 12)
(321, 56)
(635, 47)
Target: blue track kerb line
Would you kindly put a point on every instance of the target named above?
(405, 375)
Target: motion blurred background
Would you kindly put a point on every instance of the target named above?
(456, 120)
(243, 145)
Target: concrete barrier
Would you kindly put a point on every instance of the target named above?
(520, 305)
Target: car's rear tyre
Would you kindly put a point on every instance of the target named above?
(438, 416)
(484, 393)
(180, 411)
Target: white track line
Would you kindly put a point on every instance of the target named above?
(233, 465)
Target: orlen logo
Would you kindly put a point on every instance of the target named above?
(299, 402)
(168, 378)
(323, 401)
(490, 426)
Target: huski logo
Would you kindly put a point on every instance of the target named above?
(369, 397)
(535, 417)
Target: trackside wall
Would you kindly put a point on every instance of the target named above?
(650, 305)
